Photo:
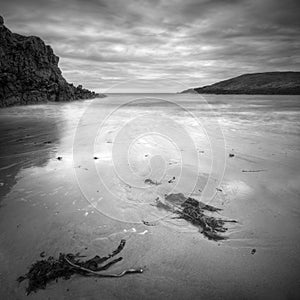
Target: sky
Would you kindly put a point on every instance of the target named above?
(161, 45)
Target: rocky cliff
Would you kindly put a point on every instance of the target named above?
(29, 72)
(269, 83)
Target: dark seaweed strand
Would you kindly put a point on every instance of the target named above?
(44, 271)
(105, 267)
(191, 210)
(96, 260)
(210, 225)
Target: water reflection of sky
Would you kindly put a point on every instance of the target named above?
(26, 130)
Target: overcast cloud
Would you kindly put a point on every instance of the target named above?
(161, 45)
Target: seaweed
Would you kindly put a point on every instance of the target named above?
(171, 180)
(151, 182)
(47, 270)
(193, 211)
(147, 223)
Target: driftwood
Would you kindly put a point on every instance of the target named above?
(253, 171)
(193, 211)
(44, 271)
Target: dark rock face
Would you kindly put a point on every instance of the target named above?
(29, 72)
(269, 83)
(189, 91)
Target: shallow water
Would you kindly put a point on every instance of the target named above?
(80, 203)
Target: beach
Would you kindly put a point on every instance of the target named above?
(81, 176)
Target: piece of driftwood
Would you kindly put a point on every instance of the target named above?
(193, 211)
(44, 271)
(253, 171)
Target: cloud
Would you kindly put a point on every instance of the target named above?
(102, 43)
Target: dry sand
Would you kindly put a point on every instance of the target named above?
(84, 204)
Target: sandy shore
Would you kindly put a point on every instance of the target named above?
(87, 205)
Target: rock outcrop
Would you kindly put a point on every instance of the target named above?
(29, 72)
(188, 91)
(269, 83)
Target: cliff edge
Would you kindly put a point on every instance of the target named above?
(29, 72)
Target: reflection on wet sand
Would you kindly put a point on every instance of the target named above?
(25, 142)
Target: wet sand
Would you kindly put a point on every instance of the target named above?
(87, 205)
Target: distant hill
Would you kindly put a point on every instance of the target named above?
(269, 83)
